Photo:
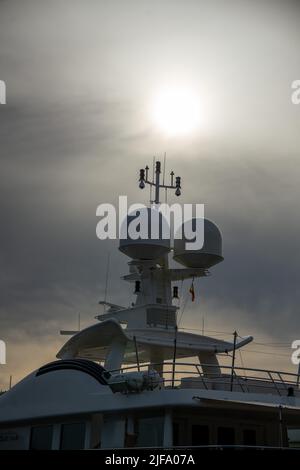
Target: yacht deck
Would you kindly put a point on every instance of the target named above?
(186, 375)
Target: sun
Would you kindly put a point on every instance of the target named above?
(175, 111)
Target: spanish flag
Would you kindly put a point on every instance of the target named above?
(192, 291)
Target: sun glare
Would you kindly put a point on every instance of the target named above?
(176, 111)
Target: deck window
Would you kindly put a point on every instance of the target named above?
(226, 435)
(200, 435)
(41, 437)
(293, 437)
(176, 434)
(72, 436)
(150, 432)
(249, 437)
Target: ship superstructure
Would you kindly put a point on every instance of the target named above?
(135, 379)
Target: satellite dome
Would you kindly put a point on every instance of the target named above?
(206, 257)
(137, 227)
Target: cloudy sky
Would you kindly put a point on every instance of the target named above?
(81, 78)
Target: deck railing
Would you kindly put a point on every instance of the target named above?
(243, 379)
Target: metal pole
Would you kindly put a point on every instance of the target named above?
(233, 360)
(298, 376)
(280, 427)
(157, 176)
(10, 381)
(174, 357)
(136, 353)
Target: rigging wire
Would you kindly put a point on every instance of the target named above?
(210, 331)
(242, 362)
(277, 345)
(224, 333)
(268, 353)
(183, 309)
(106, 279)
(253, 351)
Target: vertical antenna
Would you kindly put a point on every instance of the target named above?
(157, 181)
(174, 357)
(164, 174)
(153, 166)
(172, 177)
(233, 359)
(106, 279)
(280, 426)
(136, 353)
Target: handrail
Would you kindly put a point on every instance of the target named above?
(191, 364)
(262, 378)
(275, 384)
(238, 380)
(201, 375)
(280, 376)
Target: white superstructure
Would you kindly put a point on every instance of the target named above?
(134, 379)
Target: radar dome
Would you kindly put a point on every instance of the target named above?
(206, 257)
(138, 228)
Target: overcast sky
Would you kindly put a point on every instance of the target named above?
(80, 77)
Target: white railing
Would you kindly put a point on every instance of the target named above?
(243, 379)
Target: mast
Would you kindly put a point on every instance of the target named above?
(155, 182)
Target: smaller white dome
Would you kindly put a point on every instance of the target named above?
(209, 255)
